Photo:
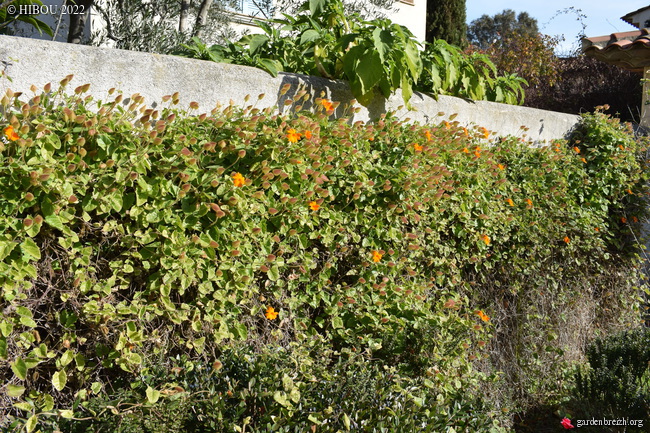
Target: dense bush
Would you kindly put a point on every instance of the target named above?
(618, 377)
(583, 83)
(288, 271)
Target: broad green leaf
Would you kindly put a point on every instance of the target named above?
(6, 328)
(59, 379)
(308, 36)
(15, 390)
(67, 357)
(383, 41)
(281, 397)
(369, 70)
(24, 406)
(19, 368)
(31, 423)
(54, 221)
(152, 395)
(271, 66)
(66, 413)
(317, 7)
(256, 41)
(6, 247)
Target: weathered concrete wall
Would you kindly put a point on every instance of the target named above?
(28, 61)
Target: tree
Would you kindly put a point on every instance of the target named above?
(487, 30)
(160, 26)
(446, 20)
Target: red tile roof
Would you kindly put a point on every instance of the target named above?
(629, 50)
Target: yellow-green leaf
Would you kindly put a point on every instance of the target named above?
(59, 379)
(152, 395)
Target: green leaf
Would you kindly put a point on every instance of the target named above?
(31, 423)
(316, 7)
(67, 357)
(274, 273)
(337, 322)
(19, 368)
(308, 36)
(66, 413)
(30, 248)
(6, 328)
(346, 421)
(54, 221)
(383, 41)
(270, 66)
(15, 390)
(369, 70)
(6, 247)
(152, 395)
(281, 397)
(59, 379)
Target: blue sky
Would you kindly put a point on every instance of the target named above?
(603, 17)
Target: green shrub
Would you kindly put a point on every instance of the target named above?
(617, 381)
(433, 262)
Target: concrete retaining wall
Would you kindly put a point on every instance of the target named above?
(29, 61)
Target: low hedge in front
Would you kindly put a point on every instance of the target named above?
(285, 272)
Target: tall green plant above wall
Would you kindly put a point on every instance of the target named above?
(374, 56)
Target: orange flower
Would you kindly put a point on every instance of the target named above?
(486, 239)
(376, 256)
(486, 133)
(477, 153)
(417, 147)
(313, 205)
(583, 160)
(466, 150)
(427, 134)
(629, 191)
(293, 136)
(308, 134)
(501, 167)
(635, 219)
(327, 104)
(597, 229)
(271, 314)
(566, 240)
(447, 124)
(10, 133)
(624, 220)
(620, 146)
(577, 149)
(238, 180)
(510, 202)
(484, 317)
(465, 132)
(529, 202)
